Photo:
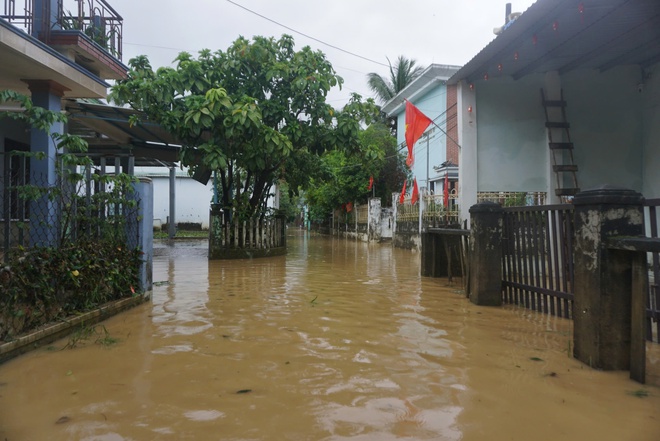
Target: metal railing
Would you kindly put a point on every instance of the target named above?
(513, 198)
(34, 213)
(94, 18)
(438, 214)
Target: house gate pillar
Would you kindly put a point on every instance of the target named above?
(486, 254)
(374, 227)
(603, 278)
(144, 222)
(44, 213)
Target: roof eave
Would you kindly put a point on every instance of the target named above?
(427, 79)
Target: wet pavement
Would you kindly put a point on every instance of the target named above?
(335, 341)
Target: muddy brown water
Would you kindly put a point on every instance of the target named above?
(334, 341)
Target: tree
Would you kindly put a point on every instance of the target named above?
(393, 170)
(344, 178)
(402, 73)
(254, 113)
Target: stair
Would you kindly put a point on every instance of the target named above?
(561, 147)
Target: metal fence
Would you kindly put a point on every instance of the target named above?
(513, 198)
(538, 258)
(653, 300)
(537, 263)
(34, 213)
(438, 214)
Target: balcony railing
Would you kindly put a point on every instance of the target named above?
(94, 18)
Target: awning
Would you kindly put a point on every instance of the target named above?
(108, 132)
(563, 35)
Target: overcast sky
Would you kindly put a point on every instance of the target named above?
(429, 31)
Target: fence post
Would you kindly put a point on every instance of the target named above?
(603, 278)
(216, 231)
(145, 229)
(374, 229)
(486, 254)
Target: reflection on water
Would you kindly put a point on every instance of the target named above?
(334, 341)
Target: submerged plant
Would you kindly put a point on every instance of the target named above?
(639, 393)
(85, 332)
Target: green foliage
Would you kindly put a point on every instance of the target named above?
(91, 264)
(40, 285)
(254, 114)
(515, 200)
(37, 117)
(290, 203)
(342, 177)
(401, 74)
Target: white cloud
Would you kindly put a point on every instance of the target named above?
(429, 31)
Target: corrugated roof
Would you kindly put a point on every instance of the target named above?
(563, 35)
(108, 132)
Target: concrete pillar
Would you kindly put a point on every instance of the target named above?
(374, 229)
(603, 278)
(44, 213)
(144, 193)
(216, 225)
(395, 201)
(486, 221)
(467, 111)
(171, 224)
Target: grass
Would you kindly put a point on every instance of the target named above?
(182, 234)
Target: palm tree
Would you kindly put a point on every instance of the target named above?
(401, 74)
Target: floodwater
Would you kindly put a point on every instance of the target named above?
(335, 341)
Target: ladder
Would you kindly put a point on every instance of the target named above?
(561, 147)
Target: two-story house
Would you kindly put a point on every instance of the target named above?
(436, 152)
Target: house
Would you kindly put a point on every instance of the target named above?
(192, 209)
(62, 61)
(564, 99)
(432, 96)
(51, 57)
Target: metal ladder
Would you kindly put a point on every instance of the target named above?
(561, 149)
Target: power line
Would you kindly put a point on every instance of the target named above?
(306, 35)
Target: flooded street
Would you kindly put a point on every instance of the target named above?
(337, 340)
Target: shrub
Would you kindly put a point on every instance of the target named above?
(41, 285)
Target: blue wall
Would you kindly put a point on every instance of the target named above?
(433, 104)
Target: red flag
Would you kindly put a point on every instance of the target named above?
(371, 182)
(416, 123)
(415, 193)
(349, 207)
(403, 193)
(446, 191)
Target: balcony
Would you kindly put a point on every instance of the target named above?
(88, 32)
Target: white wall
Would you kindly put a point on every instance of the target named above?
(614, 126)
(193, 200)
(467, 152)
(606, 117)
(512, 146)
